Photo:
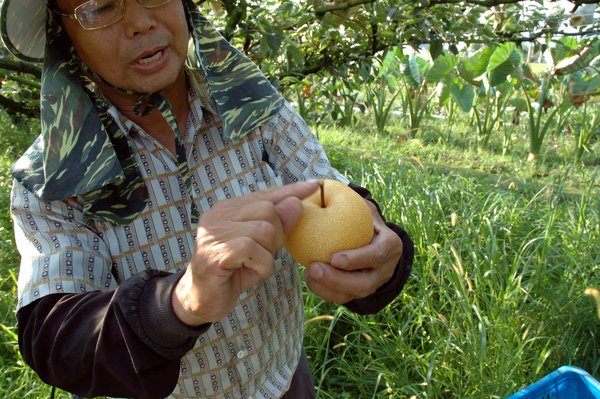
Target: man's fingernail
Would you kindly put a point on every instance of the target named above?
(340, 261)
(316, 271)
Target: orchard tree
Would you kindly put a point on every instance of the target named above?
(292, 40)
(296, 39)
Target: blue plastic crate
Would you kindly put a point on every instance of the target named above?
(567, 382)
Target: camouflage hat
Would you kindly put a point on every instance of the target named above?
(23, 28)
(77, 155)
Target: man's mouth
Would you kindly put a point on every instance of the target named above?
(152, 58)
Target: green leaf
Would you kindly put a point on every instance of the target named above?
(580, 86)
(441, 69)
(501, 54)
(481, 63)
(463, 96)
(410, 71)
(519, 103)
(414, 69)
(272, 43)
(389, 61)
(364, 72)
(423, 65)
(294, 54)
(362, 76)
(476, 65)
(516, 58)
(392, 83)
(443, 92)
(436, 48)
(500, 73)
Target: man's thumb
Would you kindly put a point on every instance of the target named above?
(289, 210)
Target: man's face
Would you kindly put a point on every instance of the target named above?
(144, 51)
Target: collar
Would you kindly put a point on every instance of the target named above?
(199, 101)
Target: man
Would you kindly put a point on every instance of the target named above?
(150, 213)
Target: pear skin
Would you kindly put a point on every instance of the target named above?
(335, 218)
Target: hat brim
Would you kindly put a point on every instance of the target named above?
(23, 28)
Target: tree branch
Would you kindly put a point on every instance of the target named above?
(485, 3)
(18, 108)
(319, 11)
(20, 66)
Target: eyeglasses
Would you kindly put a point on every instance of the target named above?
(96, 14)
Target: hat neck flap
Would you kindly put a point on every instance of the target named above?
(243, 96)
(73, 154)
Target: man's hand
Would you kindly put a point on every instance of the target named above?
(357, 273)
(235, 247)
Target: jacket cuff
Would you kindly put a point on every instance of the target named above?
(390, 290)
(145, 301)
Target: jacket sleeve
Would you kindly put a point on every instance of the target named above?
(390, 290)
(124, 343)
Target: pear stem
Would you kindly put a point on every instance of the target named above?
(322, 188)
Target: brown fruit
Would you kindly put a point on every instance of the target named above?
(344, 222)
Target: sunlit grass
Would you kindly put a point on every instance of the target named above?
(502, 289)
(505, 283)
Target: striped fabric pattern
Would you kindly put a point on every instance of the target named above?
(252, 352)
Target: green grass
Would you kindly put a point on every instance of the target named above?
(497, 299)
(16, 379)
(507, 257)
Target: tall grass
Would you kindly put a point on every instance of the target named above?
(504, 288)
(16, 379)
